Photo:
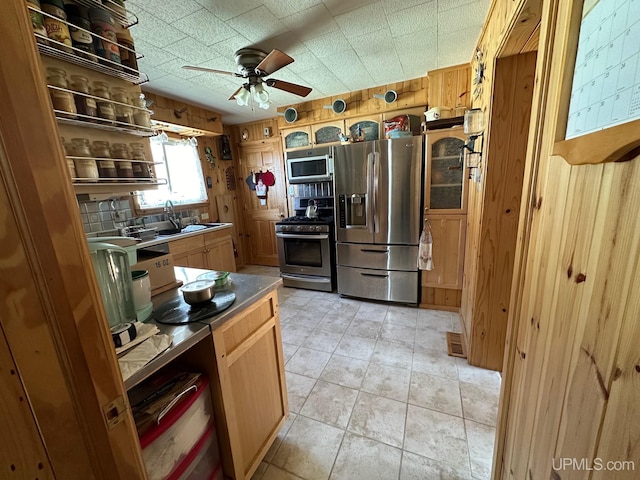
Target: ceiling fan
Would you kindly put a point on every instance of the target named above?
(254, 65)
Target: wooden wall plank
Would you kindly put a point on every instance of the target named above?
(503, 177)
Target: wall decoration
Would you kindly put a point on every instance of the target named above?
(479, 69)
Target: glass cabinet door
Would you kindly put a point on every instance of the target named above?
(446, 174)
(297, 139)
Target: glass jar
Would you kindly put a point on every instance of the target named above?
(124, 113)
(81, 26)
(85, 168)
(37, 22)
(140, 117)
(121, 151)
(106, 109)
(140, 166)
(128, 53)
(84, 105)
(106, 168)
(104, 25)
(57, 30)
(62, 101)
(68, 152)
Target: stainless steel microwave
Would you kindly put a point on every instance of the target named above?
(311, 165)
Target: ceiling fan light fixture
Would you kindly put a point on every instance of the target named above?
(260, 94)
(242, 97)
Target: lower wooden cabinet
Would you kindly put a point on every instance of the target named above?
(212, 251)
(442, 286)
(251, 384)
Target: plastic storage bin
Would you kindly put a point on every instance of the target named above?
(203, 462)
(167, 444)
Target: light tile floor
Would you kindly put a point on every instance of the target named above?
(373, 394)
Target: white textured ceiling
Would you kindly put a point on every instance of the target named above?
(338, 45)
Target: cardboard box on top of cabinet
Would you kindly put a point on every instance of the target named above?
(160, 268)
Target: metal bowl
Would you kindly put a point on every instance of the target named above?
(200, 291)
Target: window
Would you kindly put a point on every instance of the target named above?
(178, 162)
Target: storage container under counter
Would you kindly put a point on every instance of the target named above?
(170, 446)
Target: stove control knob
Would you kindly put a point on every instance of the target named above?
(318, 228)
(299, 228)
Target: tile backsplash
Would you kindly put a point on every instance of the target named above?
(107, 217)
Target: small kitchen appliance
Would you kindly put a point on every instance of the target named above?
(111, 264)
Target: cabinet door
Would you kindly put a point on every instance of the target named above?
(219, 255)
(327, 133)
(294, 138)
(448, 232)
(370, 127)
(252, 383)
(446, 181)
(193, 259)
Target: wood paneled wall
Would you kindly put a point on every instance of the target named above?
(170, 110)
(570, 381)
(411, 93)
(450, 87)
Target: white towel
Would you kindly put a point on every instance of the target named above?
(425, 260)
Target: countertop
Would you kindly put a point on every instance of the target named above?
(248, 289)
(160, 239)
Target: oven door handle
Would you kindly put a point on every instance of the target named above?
(302, 237)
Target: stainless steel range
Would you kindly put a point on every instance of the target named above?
(306, 247)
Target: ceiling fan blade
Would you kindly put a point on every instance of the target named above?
(211, 70)
(289, 87)
(273, 62)
(233, 97)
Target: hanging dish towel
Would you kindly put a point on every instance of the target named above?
(425, 260)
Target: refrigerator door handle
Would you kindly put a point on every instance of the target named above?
(370, 192)
(369, 250)
(376, 176)
(374, 275)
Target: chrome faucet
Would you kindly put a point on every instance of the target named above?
(171, 215)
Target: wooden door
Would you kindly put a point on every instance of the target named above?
(259, 218)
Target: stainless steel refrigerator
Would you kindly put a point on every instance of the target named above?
(378, 192)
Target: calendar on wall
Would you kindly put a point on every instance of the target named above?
(606, 80)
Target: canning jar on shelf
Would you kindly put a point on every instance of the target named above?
(57, 29)
(86, 106)
(124, 113)
(103, 24)
(79, 28)
(106, 109)
(140, 115)
(68, 151)
(86, 168)
(62, 101)
(106, 166)
(140, 165)
(37, 22)
(120, 152)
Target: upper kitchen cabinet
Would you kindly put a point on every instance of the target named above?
(445, 179)
(451, 88)
(327, 133)
(295, 138)
(366, 127)
(93, 81)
